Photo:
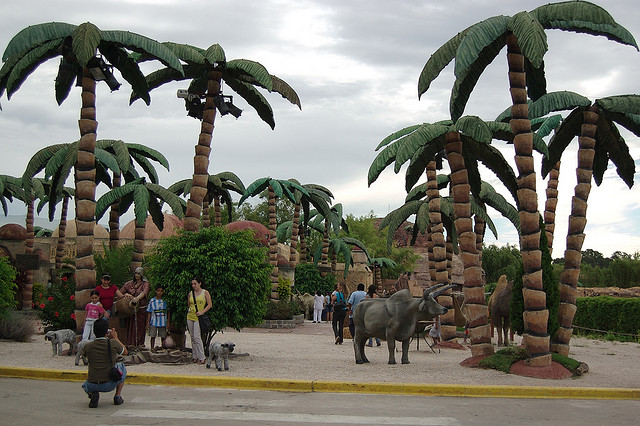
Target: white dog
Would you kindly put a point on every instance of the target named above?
(220, 352)
(57, 338)
(84, 358)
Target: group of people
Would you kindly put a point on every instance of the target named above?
(152, 316)
(342, 307)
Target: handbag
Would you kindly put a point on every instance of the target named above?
(203, 320)
(115, 375)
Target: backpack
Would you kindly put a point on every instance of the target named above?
(340, 302)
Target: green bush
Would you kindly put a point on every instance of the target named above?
(309, 280)
(7, 287)
(54, 303)
(284, 288)
(504, 359)
(13, 326)
(233, 268)
(116, 262)
(281, 310)
(614, 314)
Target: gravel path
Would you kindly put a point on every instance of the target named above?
(308, 353)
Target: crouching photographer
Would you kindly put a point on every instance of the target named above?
(103, 368)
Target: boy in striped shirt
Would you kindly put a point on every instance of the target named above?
(157, 317)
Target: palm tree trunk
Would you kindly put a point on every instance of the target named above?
(273, 243)
(431, 262)
(478, 229)
(575, 234)
(85, 175)
(303, 243)
(27, 289)
(294, 236)
(138, 246)
(479, 330)
(334, 263)
(201, 159)
(550, 205)
(449, 245)
(535, 313)
(325, 244)
(439, 250)
(62, 234)
(217, 214)
(206, 219)
(114, 217)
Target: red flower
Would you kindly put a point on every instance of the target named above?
(42, 306)
(50, 299)
(72, 297)
(64, 278)
(40, 295)
(73, 316)
(56, 314)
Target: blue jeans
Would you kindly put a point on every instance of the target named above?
(371, 341)
(107, 386)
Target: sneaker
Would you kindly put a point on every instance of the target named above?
(95, 397)
(369, 344)
(378, 343)
(117, 400)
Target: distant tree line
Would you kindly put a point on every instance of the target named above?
(620, 270)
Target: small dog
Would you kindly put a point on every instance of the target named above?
(57, 338)
(219, 352)
(79, 348)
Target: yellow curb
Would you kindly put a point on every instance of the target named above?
(426, 389)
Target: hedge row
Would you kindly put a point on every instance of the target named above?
(617, 314)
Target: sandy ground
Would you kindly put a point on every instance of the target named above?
(308, 352)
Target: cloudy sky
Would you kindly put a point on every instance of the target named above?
(355, 66)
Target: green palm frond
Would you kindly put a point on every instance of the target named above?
(283, 231)
(85, 40)
(255, 188)
(464, 85)
(582, 17)
(479, 211)
(215, 54)
(256, 72)
(397, 217)
(479, 37)
(283, 88)
(426, 134)
(531, 37)
(569, 129)
(438, 61)
(397, 135)
(29, 62)
(382, 160)
(474, 128)
(36, 35)
(141, 44)
(557, 101)
(254, 98)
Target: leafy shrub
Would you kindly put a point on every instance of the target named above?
(7, 286)
(14, 327)
(54, 304)
(116, 262)
(615, 314)
(233, 269)
(309, 280)
(568, 363)
(504, 358)
(281, 310)
(284, 288)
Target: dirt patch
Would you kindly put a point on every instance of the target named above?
(553, 371)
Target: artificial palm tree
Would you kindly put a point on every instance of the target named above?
(147, 198)
(320, 198)
(218, 189)
(599, 141)
(83, 50)
(276, 189)
(524, 35)
(207, 70)
(64, 195)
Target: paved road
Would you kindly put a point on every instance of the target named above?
(30, 402)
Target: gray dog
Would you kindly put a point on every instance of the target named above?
(219, 352)
(57, 338)
(84, 358)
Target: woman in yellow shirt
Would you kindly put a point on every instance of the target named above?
(203, 300)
